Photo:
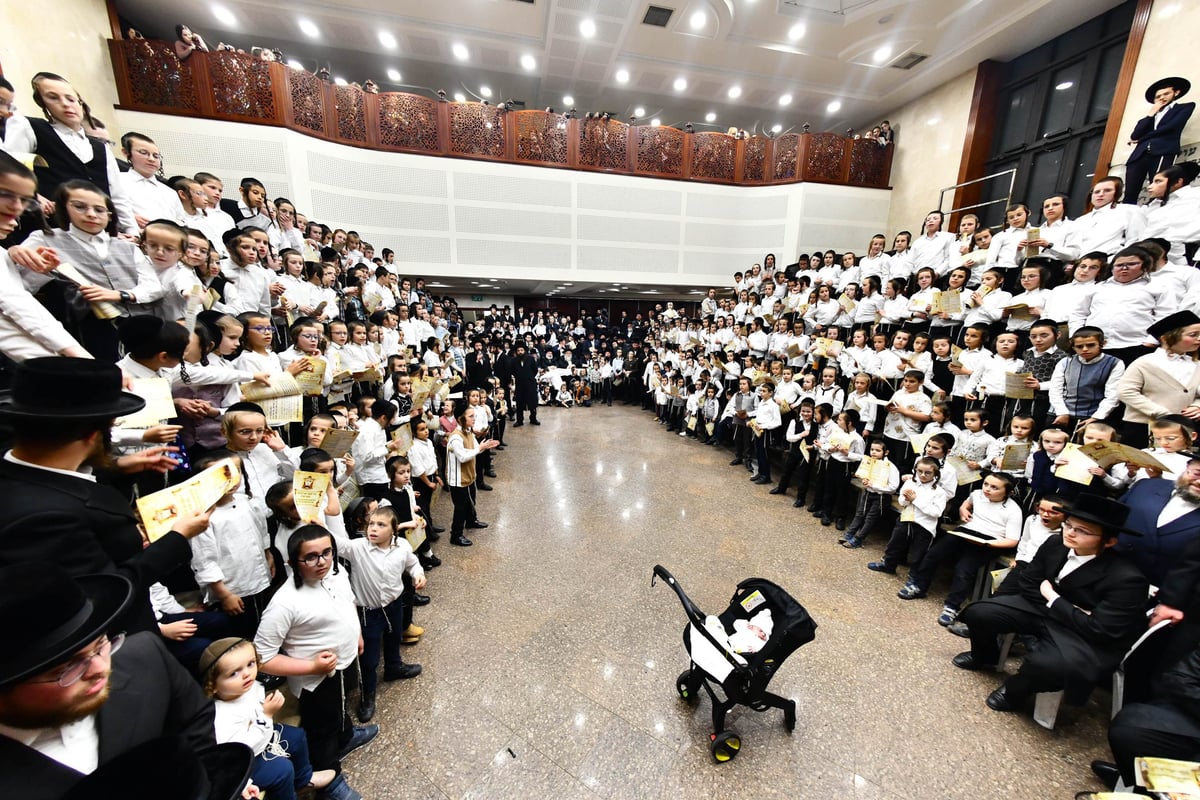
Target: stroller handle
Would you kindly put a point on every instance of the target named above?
(693, 612)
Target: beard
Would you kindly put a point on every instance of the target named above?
(100, 456)
(1184, 490)
(43, 717)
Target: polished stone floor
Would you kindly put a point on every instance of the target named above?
(550, 662)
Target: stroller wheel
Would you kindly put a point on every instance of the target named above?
(683, 685)
(789, 718)
(725, 746)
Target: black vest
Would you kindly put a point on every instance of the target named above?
(63, 165)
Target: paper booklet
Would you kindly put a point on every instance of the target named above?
(919, 440)
(312, 380)
(965, 473)
(1032, 250)
(1015, 388)
(1015, 456)
(281, 400)
(1019, 311)
(1177, 778)
(847, 304)
(876, 470)
(403, 434)
(974, 536)
(159, 403)
(947, 302)
(308, 493)
(1108, 453)
(159, 511)
(828, 348)
(1077, 465)
(102, 309)
(338, 441)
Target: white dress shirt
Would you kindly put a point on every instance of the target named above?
(1109, 229)
(150, 197)
(75, 745)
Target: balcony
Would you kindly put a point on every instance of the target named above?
(239, 88)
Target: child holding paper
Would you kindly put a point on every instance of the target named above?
(921, 505)
(1039, 469)
(989, 380)
(1020, 429)
(845, 448)
(880, 481)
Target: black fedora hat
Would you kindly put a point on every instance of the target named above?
(56, 387)
(1182, 84)
(1110, 514)
(169, 767)
(47, 615)
(1172, 322)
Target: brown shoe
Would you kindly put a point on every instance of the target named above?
(413, 630)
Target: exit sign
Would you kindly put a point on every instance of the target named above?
(478, 298)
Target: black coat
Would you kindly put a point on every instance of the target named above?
(151, 695)
(479, 369)
(86, 528)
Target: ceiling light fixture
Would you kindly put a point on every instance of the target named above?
(340, 81)
(587, 28)
(387, 40)
(710, 117)
(680, 84)
(639, 112)
(735, 92)
(294, 64)
(224, 15)
(485, 91)
(459, 97)
(309, 28)
(622, 76)
(1062, 87)
(698, 20)
(393, 75)
(796, 32)
(776, 128)
(785, 100)
(568, 100)
(882, 54)
(460, 52)
(654, 123)
(834, 107)
(528, 63)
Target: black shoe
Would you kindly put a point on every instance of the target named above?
(966, 660)
(502, 446)
(959, 629)
(1107, 772)
(491, 473)
(735, 462)
(405, 672)
(434, 530)
(778, 490)
(361, 737)
(841, 523)
(366, 709)
(799, 502)
(477, 524)
(1002, 700)
(419, 599)
(762, 479)
(461, 541)
(814, 510)
(429, 562)
(518, 424)
(534, 422)
(826, 521)
(483, 487)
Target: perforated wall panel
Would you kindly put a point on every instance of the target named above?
(643, 200)
(636, 259)
(396, 215)
(720, 266)
(537, 222)
(723, 206)
(410, 248)
(493, 252)
(712, 234)
(518, 191)
(372, 176)
(188, 152)
(628, 229)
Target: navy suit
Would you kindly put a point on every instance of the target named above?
(1158, 550)
(1156, 147)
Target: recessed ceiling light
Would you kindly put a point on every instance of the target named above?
(224, 15)
(309, 28)
(654, 123)
(459, 97)
(587, 28)
(933, 121)
(698, 20)
(735, 92)
(776, 128)
(785, 100)
(1062, 87)
(568, 284)
(294, 64)
(639, 112)
(394, 75)
(834, 107)
(680, 84)
(387, 40)
(622, 76)
(528, 63)
(796, 32)
(882, 54)
(460, 52)
(340, 81)
(568, 100)
(710, 117)
(485, 91)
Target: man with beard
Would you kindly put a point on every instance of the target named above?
(62, 412)
(69, 701)
(525, 397)
(1167, 515)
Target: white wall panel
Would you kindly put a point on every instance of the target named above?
(627, 228)
(635, 259)
(648, 199)
(351, 210)
(380, 178)
(527, 191)
(503, 253)
(703, 203)
(522, 222)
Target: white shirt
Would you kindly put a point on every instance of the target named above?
(75, 745)
(378, 572)
(1074, 562)
(1062, 301)
(27, 329)
(253, 284)
(1110, 228)
(937, 252)
(1124, 310)
(150, 197)
(1175, 508)
(370, 452)
(422, 457)
(232, 550)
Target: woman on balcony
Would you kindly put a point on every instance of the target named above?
(187, 43)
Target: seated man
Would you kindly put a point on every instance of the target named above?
(1084, 604)
(69, 701)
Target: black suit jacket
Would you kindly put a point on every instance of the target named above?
(86, 528)
(1163, 140)
(1158, 551)
(151, 695)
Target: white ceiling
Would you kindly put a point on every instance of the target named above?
(464, 286)
(743, 43)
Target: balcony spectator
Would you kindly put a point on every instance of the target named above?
(187, 43)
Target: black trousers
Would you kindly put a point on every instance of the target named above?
(1156, 730)
(526, 401)
(464, 508)
(909, 542)
(798, 466)
(324, 717)
(837, 492)
(1137, 170)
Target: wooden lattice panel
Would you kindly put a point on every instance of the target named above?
(241, 85)
(785, 153)
(825, 152)
(660, 150)
(604, 144)
(541, 137)
(714, 156)
(307, 92)
(868, 163)
(351, 113)
(476, 130)
(157, 77)
(754, 159)
(408, 121)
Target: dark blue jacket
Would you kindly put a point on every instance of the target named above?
(1163, 140)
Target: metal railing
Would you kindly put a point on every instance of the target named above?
(1006, 200)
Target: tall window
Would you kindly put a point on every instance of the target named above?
(1051, 114)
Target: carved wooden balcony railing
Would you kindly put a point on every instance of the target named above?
(239, 88)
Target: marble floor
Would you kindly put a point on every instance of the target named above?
(550, 662)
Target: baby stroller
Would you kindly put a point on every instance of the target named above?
(742, 678)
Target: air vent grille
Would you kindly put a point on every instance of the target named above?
(658, 16)
(909, 60)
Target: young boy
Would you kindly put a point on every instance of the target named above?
(972, 355)
(1039, 469)
(164, 243)
(1084, 387)
(921, 505)
(1020, 429)
(766, 419)
(801, 438)
(1041, 360)
(873, 496)
(987, 383)
(907, 411)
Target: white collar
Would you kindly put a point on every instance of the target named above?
(84, 472)
(63, 130)
(88, 238)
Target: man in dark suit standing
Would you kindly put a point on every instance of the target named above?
(479, 365)
(69, 701)
(1084, 604)
(525, 391)
(1156, 135)
(1166, 517)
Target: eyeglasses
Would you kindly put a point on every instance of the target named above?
(312, 559)
(1127, 266)
(9, 107)
(198, 248)
(27, 203)
(149, 154)
(83, 208)
(1075, 530)
(73, 670)
(308, 336)
(261, 328)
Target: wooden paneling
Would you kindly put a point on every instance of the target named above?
(1133, 49)
(977, 146)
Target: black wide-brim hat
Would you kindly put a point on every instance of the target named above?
(47, 615)
(1173, 322)
(1182, 84)
(169, 767)
(56, 387)
(1111, 514)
